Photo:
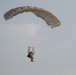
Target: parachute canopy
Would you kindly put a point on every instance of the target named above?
(48, 17)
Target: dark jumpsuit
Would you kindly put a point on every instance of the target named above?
(30, 55)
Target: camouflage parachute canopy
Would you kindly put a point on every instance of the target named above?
(47, 16)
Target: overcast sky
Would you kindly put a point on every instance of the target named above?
(55, 49)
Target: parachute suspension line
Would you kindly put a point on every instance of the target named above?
(28, 49)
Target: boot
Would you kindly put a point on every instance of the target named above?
(32, 60)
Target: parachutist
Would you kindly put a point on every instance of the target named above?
(31, 53)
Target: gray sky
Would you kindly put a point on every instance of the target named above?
(55, 49)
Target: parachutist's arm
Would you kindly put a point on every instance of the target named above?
(33, 52)
(33, 49)
(28, 49)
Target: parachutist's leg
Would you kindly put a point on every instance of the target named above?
(31, 60)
